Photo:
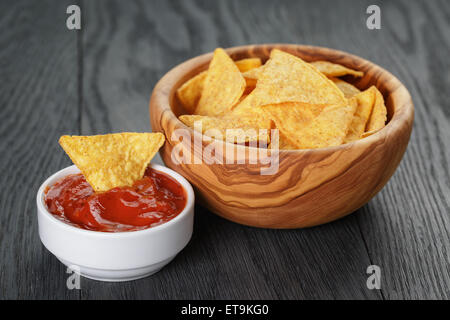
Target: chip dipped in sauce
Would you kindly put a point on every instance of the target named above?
(150, 201)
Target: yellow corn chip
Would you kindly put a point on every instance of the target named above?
(335, 70)
(253, 73)
(378, 117)
(245, 110)
(288, 117)
(223, 86)
(248, 64)
(364, 103)
(297, 123)
(347, 89)
(250, 85)
(243, 96)
(228, 127)
(301, 114)
(286, 78)
(305, 101)
(283, 143)
(112, 160)
(190, 92)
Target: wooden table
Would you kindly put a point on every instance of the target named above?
(99, 80)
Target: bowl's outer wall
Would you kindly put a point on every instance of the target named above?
(113, 251)
(311, 187)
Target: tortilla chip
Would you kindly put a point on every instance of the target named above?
(112, 160)
(328, 129)
(289, 117)
(190, 92)
(378, 117)
(283, 143)
(335, 70)
(251, 64)
(305, 101)
(303, 130)
(245, 65)
(223, 86)
(253, 74)
(245, 110)
(286, 78)
(243, 96)
(364, 103)
(347, 89)
(250, 85)
(228, 127)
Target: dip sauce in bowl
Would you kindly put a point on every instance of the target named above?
(122, 234)
(151, 201)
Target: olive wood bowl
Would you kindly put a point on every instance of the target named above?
(312, 186)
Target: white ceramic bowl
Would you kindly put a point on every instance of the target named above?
(119, 256)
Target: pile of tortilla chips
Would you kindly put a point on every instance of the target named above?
(112, 160)
(307, 102)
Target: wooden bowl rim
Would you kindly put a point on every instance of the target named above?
(161, 96)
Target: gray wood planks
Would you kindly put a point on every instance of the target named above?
(126, 47)
(407, 226)
(39, 102)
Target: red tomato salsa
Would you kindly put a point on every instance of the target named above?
(153, 200)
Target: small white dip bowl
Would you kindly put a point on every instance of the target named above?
(119, 256)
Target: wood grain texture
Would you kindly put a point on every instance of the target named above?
(407, 226)
(38, 99)
(310, 187)
(113, 33)
(126, 47)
